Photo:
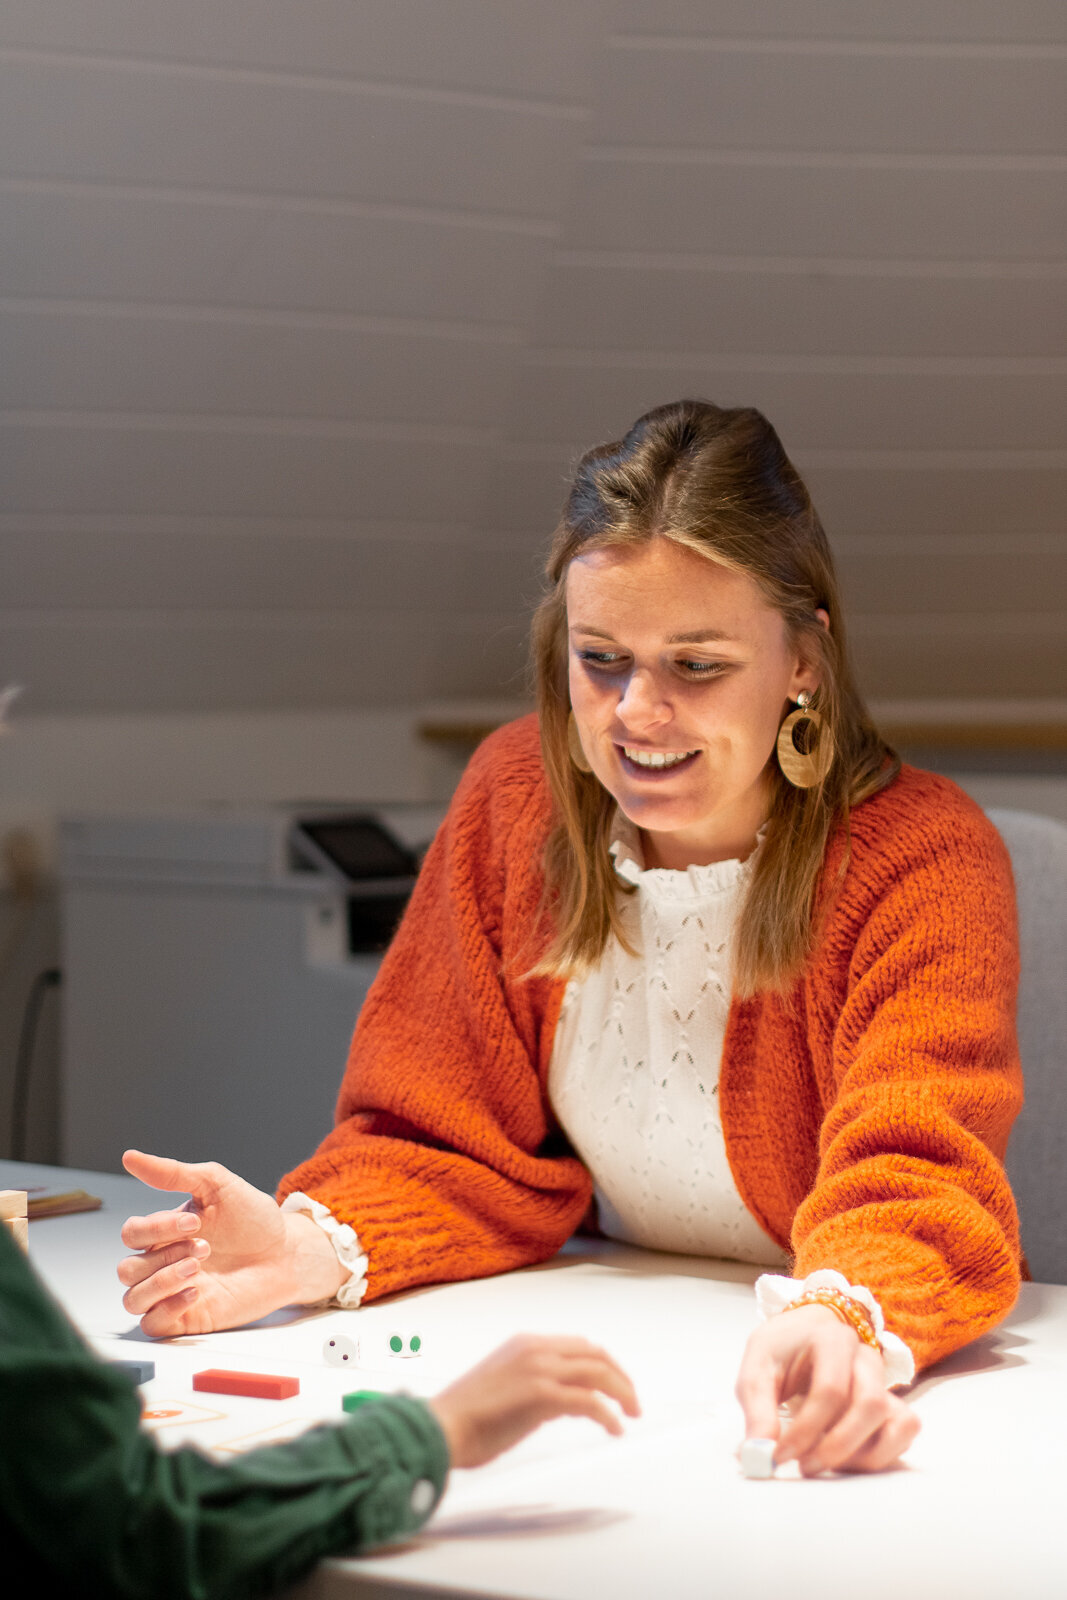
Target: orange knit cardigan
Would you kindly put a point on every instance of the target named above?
(865, 1117)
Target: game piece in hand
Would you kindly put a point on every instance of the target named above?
(757, 1458)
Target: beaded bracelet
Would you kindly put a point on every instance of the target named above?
(850, 1311)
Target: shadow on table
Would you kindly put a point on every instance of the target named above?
(990, 1353)
(519, 1522)
(284, 1317)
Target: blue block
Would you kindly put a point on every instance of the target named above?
(136, 1371)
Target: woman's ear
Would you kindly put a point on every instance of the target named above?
(805, 676)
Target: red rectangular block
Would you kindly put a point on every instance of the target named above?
(260, 1385)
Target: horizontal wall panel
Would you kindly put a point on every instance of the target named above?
(526, 495)
(201, 471)
(97, 568)
(753, 310)
(490, 661)
(765, 100)
(919, 658)
(916, 499)
(80, 244)
(525, 47)
(528, 492)
(221, 665)
(225, 663)
(908, 21)
(895, 212)
(121, 126)
(810, 410)
(74, 360)
(918, 577)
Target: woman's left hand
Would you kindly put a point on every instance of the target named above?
(842, 1417)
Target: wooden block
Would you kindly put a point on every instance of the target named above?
(19, 1229)
(259, 1385)
(62, 1205)
(12, 1203)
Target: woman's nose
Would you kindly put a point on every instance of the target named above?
(642, 705)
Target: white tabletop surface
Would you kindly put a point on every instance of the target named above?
(572, 1514)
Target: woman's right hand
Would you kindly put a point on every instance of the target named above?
(228, 1256)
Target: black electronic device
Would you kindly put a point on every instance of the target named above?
(376, 870)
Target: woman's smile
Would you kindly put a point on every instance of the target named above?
(655, 764)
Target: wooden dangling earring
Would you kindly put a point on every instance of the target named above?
(804, 768)
(574, 746)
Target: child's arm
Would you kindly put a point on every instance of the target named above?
(85, 1492)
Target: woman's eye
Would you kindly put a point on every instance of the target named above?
(701, 669)
(600, 658)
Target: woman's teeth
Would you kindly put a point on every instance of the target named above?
(657, 758)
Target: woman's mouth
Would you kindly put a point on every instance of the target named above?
(654, 763)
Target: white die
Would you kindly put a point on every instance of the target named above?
(340, 1352)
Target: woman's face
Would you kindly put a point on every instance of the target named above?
(680, 674)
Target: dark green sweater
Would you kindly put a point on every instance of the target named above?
(90, 1498)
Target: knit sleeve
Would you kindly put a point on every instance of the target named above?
(444, 1158)
(923, 1082)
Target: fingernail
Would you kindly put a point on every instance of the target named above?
(188, 1267)
(188, 1221)
(190, 1294)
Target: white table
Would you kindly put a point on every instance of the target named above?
(571, 1514)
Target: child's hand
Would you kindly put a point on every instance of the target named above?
(526, 1382)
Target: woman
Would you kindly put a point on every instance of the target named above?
(697, 880)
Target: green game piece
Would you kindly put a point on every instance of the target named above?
(396, 1344)
(359, 1397)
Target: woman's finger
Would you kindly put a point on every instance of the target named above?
(868, 1410)
(886, 1447)
(135, 1269)
(159, 1229)
(757, 1391)
(830, 1359)
(167, 1320)
(142, 1297)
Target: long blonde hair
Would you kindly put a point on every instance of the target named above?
(718, 482)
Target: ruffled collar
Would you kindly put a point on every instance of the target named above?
(668, 883)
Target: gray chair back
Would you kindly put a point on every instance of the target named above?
(1037, 1150)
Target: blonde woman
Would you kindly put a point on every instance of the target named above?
(694, 959)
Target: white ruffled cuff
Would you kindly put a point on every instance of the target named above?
(773, 1294)
(346, 1244)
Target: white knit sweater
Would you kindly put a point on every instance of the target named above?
(634, 1075)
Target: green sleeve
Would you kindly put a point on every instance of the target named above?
(85, 1490)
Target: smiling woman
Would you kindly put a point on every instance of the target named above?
(692, 959)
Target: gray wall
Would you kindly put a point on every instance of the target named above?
(306, 309)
